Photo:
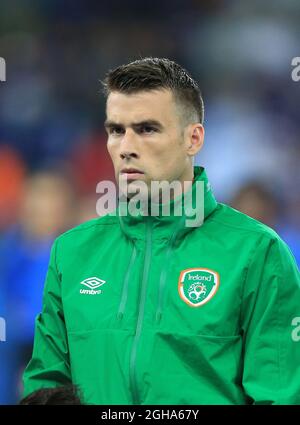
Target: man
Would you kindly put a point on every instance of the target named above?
(174, 314)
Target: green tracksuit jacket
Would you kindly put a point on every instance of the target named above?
(144, 310)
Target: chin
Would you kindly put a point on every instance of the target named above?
(133, 188)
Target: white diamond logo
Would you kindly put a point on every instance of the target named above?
(93, 282)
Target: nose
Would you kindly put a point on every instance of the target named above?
(128, 146)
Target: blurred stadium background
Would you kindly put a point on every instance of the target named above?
(52, 142)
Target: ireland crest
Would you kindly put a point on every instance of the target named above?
(197, 286)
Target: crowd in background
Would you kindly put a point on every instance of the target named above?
(53, 145)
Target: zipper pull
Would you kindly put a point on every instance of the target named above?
(158, 316)
(120, 315)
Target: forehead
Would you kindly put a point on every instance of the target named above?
(155, 104)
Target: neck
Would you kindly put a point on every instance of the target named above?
(172, 190)
(185, 214)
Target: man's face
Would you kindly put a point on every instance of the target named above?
(146, 140)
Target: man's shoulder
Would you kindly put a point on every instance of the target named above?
(245, 230)
(90, 228)
(239, 223)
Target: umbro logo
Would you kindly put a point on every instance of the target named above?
(92, 283)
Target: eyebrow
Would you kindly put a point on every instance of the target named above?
(150, 122)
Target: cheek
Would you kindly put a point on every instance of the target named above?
(114, 156)
(112, 149)
(167, 150)
(157, 148)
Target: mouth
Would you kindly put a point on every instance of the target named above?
(131, 173)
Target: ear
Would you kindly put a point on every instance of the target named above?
(194, 138)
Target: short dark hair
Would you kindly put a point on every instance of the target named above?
(154, 74)
(67, 394)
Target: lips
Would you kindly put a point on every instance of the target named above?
(131, 171)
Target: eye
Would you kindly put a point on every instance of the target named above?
(148, 129)
(117, 130)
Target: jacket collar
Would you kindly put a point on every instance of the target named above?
(165, 226)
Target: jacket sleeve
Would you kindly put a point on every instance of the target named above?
(270, 316)
(49, 365)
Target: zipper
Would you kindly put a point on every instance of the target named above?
(163, 275)
(142, 300)
(123, 302)
(162, 283)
